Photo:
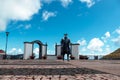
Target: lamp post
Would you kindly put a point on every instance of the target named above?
(7, 33)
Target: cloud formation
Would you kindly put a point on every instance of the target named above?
(107, 49)
(28, 26)
(118, 30)
(17, 10)
(46, 15)
(47, 1)
(104, 45)
(116, 41)
(82, 42)
(65, 3)
(15, 51)
(89, 3)
(50, 52)
(106, 36)
(95, 45)
(36, 50)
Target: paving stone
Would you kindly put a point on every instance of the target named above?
(59, 70)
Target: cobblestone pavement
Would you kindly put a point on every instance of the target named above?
(57, 70)
(61, 77)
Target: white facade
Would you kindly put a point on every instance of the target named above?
(28, 49)
(58, 50)
(74, 50)
(51, 57)
(44, 51)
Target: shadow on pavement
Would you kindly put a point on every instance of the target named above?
(48, 71)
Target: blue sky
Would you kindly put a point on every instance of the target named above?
(95, 24)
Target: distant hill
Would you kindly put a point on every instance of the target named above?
(114, 55)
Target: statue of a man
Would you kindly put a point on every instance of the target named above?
(65, 47)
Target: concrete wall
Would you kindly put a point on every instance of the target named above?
(58, 50)
(51, 57)
(44, 47)
(75, 51)
(27, 50)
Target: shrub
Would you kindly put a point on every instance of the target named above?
(44, 57)
(59, 57)
(83, 57)
(32, 57)
(72, 57)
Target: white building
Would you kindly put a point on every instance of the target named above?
(29, 46)
(74, 50)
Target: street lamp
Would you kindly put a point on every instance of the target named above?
(7, 33)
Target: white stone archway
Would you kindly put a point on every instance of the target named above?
(29, 46)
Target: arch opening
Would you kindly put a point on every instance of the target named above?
(39, 47)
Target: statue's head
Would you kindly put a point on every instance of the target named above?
(65, 36)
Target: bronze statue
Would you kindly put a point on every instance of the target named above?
(65, 47)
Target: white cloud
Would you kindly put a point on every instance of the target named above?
(65, 3)
(89, 3)
(116, 41)
(12, 50)
(107, 34)
(15, 51)
(2, 24)
(83, 49)
(28, 26)
(20, 51)
(47, 1)
(116, 37)
(50, 52)
(82, 42)
(36, 50)
(118, 31)
(107, 49)
(19, 26)
(46, 15)
(17, 10)
(95, 45)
